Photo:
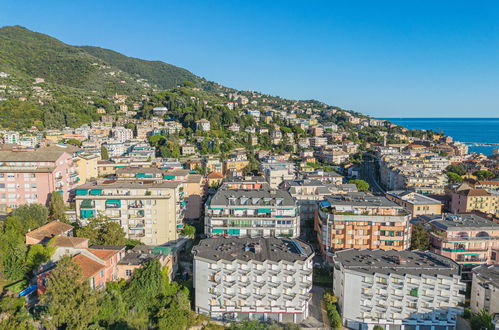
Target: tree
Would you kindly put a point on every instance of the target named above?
(188, 231)
(69, 300)
(31, 216)
(39, 254)
(454, 177)
(57, 210)
(457, 168)
(378, 327)
(484, 175)
(360, 184)
(74, 142)
(13, 249)
(330, 298)
(104, 154)
(482, 321)
(335, 318)
(15, 314)
(103, 231)
(419, 238)
(145, 286)
(113, 308)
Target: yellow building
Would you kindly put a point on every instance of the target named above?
(87, 168)
(235, 165)
(414, 203)
(486, 201)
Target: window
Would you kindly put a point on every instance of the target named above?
(128, 272)
(414, 293)
(102, 273)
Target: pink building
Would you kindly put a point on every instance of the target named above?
(468, 239)
(98, 264)
(28, 177)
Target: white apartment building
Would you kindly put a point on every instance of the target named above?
(11, 137)
(253, 278)
(150, 212)
(251, 212)
(122, 134)
(397, 289)
(485, 289)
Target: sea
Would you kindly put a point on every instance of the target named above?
(484, 130)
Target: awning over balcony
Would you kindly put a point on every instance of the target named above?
(85, 214)
(143, 175)
(234, 232)
(264, 210)
(87, 204)
(81, 192)
(96, 192)
(113, 203)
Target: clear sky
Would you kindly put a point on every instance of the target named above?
(398, 58)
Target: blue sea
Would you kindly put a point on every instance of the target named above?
(461, 129)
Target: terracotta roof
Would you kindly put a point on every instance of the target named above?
(49, 230)
(30, 156)
(103, 254)
(215, 175)
(496, 183)
(416, 146)
(66, 241)
(88, 266)
(476, 192)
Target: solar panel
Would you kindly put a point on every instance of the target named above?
(298, 247)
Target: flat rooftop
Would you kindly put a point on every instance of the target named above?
(138, 258)
(360, 199)
(489, 273)
(462, 222)
(415, 263)
(413, 197)
(272, 249)
(255, 197)
(112, 184)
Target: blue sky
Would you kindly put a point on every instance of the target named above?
(384, 58)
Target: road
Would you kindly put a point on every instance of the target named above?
(369, 173)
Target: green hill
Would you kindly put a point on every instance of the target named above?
(164, 75)
(77, 80)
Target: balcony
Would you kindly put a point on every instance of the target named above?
(136, 215)
(273, 284)
(138, 205)
(138, 225)
(136, 235)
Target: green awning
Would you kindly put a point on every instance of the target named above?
(85, 214)
(169, 177)
(87, 204)
(264, 210)
(81, 192)
(113, 202)
(114, 219)
(166, 250)
(143, 175)
(60, 192)
(96, 192)
(218, 231)
(234, 232)
(240, 209)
